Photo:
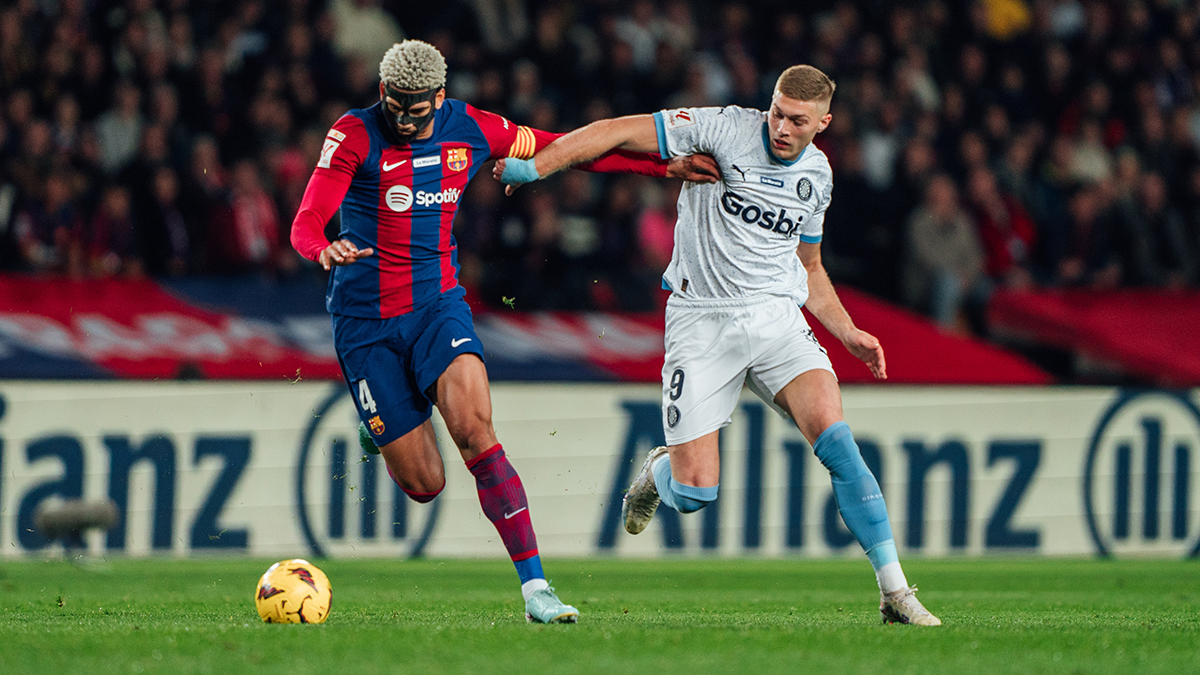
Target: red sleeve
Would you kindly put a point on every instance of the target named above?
(346, 145)
(506, 139)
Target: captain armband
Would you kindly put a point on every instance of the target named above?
(524, 145)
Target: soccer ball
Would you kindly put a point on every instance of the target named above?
(293, 591)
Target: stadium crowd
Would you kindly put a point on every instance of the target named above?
(974, 145)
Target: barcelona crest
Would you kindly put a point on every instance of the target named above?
(457, 159)
(376, 425)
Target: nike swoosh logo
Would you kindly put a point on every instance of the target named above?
(510, 515)
(389, 167)
(456, 343)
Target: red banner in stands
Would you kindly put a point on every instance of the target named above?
(135, 329)
(631, 346)
(1151, 334)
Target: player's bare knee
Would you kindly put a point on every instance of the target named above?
(424, 495)
(474, 437)
(818, 420)
(421, 486)
(698, 476)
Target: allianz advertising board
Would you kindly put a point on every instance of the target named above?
(275, 470)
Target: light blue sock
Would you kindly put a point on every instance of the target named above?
(857, 493)
(682, 498)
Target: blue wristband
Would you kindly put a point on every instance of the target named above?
(518, 172)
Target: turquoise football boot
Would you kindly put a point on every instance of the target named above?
(365, 441)
(545, 607)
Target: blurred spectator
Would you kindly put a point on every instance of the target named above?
(1085, 255)
(1092, 161)
(138, 175)
(1005, 229)
(638, 29)
(110, 244)
(1155, 238)
(47, 230)
(67, 125)
(29, 168)
(364, 29)
(1192, 204)
(204, 202)
(620, 260)
(119, 129)
(18, 59)
(167, 242)
(943, 272)
(1085, 116)
(254, 240)
(656, 227)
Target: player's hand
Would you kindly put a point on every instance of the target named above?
(867, 348)
(498, 171)
(341, 253)
(694, 168)
(515, 173)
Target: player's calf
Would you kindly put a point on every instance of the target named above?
(503, 499)
(683, 498)
(861, 504)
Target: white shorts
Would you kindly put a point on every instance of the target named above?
(713, 347)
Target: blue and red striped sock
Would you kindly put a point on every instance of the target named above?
(504, 503)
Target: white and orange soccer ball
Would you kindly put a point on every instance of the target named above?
(293, 591)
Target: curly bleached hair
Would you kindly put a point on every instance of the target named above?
(413, 65)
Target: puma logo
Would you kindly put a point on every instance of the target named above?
(389, 167)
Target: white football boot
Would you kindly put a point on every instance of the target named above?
(902, 606)
(545, 607)
(641, 499)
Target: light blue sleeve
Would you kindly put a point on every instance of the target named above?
(687, 131)
(662, 135)
(814, 227)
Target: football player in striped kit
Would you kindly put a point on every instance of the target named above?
(403, 332)
(747, 257)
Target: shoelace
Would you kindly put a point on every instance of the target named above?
(910, 602)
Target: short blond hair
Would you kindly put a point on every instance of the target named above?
(413, 65)
(805, 83)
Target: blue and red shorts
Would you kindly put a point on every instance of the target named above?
(390, 364)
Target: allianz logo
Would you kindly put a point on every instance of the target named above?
(754, 214)
(346, 504)
(1141, 477)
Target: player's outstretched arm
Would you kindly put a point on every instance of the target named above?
(322, 197)
(345, 146)
(824, 304)
(635, 133)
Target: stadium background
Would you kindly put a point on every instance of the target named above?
(1017, 202)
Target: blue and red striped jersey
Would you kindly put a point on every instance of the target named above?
(402, 200)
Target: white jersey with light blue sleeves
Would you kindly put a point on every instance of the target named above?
(737, 238)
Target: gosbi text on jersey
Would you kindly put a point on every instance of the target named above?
(737, 238)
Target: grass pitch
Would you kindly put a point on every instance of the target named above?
(652, 617)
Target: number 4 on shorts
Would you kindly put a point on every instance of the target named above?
(365, 400)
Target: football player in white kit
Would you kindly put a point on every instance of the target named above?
(747, 257)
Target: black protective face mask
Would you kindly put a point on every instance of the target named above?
(406, 102)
